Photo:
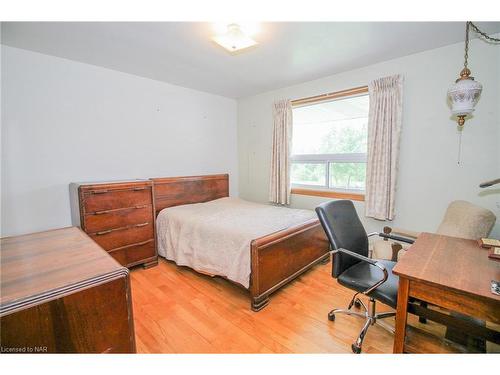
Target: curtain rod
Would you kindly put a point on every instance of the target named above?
(331, 95)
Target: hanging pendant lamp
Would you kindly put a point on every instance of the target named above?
(465, 92)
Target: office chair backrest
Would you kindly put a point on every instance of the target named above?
(344, 230)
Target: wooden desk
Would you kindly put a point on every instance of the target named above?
(61, 293)
(449, 272)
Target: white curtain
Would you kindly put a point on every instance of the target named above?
(384, 127)
(279, 188)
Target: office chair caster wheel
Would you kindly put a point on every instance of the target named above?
(357, 304)
(331, 316)
(355, 349)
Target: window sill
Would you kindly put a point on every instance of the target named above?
(329, 194)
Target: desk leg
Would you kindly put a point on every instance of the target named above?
(401, 315)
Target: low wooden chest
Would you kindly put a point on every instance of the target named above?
(61, 293)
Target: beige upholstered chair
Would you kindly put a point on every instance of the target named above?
(462, 219)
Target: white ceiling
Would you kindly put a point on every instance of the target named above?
(182, 53)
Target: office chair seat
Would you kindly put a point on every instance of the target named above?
(362, 275)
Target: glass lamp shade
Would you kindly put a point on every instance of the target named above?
(464, 95)
(234, 39)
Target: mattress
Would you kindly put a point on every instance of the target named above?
(214, 237)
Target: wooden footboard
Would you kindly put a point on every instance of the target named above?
(280, 257)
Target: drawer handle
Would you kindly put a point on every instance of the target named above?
(139, 188)
(118, 209)
(102, 212)
(141, 225)
(104, 232)
(143, 242)
(99, 191)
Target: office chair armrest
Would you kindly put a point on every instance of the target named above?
(387, 234)
(401, 232)
(355, 255)
(370, 261)
(397, 238)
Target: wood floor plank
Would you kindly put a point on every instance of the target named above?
(177, 310)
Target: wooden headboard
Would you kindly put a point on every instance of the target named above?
(174, 191)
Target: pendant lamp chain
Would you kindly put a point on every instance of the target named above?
(466, 56)
(468, 25)
(483, 34)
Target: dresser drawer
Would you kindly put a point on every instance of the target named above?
(120, 256)
(139, 252)
(133, 254)
(124, 236)
(118, 218)
(108, 199)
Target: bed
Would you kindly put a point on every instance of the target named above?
(260, 247)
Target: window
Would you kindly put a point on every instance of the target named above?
(329, 143)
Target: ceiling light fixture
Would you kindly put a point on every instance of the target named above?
(234, 39)
(464, 93)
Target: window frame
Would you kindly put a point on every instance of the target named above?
(327, 159)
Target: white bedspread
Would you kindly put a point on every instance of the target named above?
(214, 237)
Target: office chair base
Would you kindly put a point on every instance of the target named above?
(369, 314)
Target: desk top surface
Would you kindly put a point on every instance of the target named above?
(450, 262)
(42, 265)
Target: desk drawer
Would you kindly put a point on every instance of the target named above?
(108, 199)
(468, 304)
(120, 237)
(118, 218)
(134, 254)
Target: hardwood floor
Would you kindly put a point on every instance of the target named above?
(177, 310)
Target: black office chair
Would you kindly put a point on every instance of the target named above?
(353, 269)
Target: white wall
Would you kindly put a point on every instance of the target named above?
(64, 121)
(429, 177)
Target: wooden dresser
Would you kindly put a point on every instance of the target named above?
(61, 293)
(119, 216)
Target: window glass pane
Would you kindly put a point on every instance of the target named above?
(348, 175)
(335, 127)
(309, 174)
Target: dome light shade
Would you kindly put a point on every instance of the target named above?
(234, 39)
